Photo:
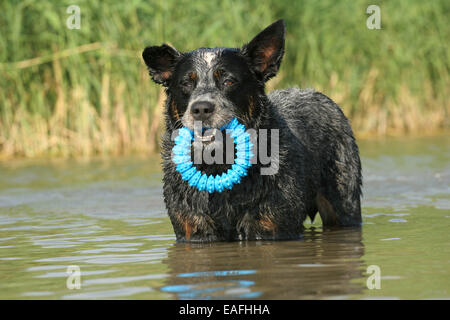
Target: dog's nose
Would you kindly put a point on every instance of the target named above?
(202, 110)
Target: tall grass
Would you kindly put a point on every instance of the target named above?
(84, 92)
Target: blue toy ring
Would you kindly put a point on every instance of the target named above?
(203, 182)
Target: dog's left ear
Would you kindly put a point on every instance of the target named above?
(266, 50)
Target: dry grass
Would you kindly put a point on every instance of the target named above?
(113, 131)
(77, 128)
(377, 115)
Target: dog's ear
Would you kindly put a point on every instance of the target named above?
(161, 61)
(266, 50)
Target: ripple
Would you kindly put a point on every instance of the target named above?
(207, 290)
(391, 277)
(316, 265)
(123, 279)
(107, 259)
(6, 239)
(123, 244)
(377, 214)
(37, 293)
(41, 268)
(398, 220)
(88, 251)
(65, 275)
(122, 292)
(34, 227)
(55, 243)
(217, 273)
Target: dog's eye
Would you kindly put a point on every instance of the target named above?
(228, 82)
(187, 85)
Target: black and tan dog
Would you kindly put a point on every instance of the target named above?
(318, 165)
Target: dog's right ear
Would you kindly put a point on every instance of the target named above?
(161, 61)
(266, 50)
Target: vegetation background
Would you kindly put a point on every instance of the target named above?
(86, 92)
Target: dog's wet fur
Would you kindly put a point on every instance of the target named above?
(319, 166)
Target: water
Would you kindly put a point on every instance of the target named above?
(108, 218)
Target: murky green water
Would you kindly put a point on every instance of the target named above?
(108, 218)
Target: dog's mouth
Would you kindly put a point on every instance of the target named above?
(211, 135)
(206, 136)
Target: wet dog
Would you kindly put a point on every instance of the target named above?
(316, 168)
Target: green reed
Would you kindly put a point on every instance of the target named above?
(85, 92)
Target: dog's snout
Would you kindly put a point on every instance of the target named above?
(202, 110)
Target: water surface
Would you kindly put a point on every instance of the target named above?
(108, 218)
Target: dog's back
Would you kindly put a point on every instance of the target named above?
(324, 132)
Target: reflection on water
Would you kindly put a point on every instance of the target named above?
(322, 265)
(108, 218)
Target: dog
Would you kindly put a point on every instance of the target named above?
(317, 169)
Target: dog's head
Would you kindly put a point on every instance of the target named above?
(215, 85)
